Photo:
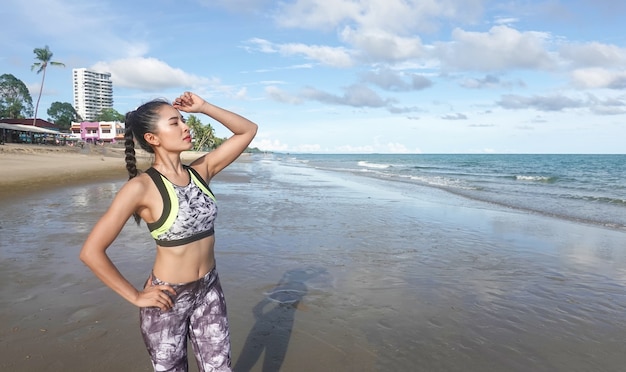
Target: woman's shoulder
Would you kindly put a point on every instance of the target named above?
(139, 184)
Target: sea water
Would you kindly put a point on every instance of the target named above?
(584, 188)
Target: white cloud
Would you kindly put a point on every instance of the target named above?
(396, 16)
(505, 20)
(594, 55)
(599, 78)
(357, 95)
(149, 74)
(242, 93)
(265, 144)
(395, 81)
(457, 116)
(330, 56)
(313, 14)
(560, 102)
(489, 81)
(379, 45)
(555, 102)
(397, 148)
(499, 49)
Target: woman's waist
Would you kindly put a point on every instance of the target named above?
(184, 264)
(207, 278)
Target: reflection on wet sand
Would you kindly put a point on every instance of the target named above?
(328, 273)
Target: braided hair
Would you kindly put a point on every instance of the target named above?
(139, 122)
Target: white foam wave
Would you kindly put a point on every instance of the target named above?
(533, 178)
(373, 165)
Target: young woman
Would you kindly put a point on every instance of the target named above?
(183, 297)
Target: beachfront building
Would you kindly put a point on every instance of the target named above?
(23, 131)
(98, 132)
(93, 91)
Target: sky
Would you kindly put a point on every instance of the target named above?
(350, 76)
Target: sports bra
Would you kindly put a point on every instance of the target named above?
(188, 211)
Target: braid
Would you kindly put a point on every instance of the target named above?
(131, 160)
(139, 122)
(143, 120)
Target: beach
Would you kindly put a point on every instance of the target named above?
(28, 168)
(322, 271)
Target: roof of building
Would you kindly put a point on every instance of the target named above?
(27, 128)
(38, 123)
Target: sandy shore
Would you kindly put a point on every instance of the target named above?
(28, 168)
(326, 271)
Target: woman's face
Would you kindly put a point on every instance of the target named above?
(172, 132)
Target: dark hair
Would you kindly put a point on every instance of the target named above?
(139, 122)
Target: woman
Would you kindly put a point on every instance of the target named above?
(179, 209)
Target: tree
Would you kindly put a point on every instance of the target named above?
(15, 100)
(63, 114)
(43, 56)
(203, 135)
(110, 114)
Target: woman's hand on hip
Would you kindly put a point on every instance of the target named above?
(155, 296)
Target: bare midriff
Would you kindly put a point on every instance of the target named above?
(185, 263)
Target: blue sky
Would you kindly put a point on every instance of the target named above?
(351, 76)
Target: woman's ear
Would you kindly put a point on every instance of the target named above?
(151, 139)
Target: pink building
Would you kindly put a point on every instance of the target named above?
(95, 132)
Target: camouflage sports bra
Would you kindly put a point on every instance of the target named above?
(188, 211)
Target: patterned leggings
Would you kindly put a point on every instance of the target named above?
(199, 312)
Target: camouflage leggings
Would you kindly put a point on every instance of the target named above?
(199, 313)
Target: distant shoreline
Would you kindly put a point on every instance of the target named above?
(30, 168)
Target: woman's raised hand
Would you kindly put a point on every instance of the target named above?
(189, 102)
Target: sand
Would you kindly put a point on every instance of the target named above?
(27, 168)
(322, 272)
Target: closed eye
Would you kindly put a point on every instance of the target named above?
(174, 120)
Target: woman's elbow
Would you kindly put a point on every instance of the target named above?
(87, 256)
(84, 256)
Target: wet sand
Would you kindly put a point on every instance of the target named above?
(327, 272)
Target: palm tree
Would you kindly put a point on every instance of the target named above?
(43, 56)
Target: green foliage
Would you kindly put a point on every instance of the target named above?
(110, 114)
(253, 150)
(62, 114)
(44, 58)
(15, 100)
(203, 135)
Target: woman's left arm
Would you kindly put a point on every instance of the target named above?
(243, 130)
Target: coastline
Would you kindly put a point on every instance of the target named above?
(28, 168)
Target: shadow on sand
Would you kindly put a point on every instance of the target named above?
(274, 321)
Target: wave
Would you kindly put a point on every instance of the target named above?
(598, 199)
(545, 179)
(373, 165)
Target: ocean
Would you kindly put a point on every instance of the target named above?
(584, 188)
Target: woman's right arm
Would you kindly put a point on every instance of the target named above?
(93, 253)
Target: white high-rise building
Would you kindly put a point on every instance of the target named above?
(93, 91)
